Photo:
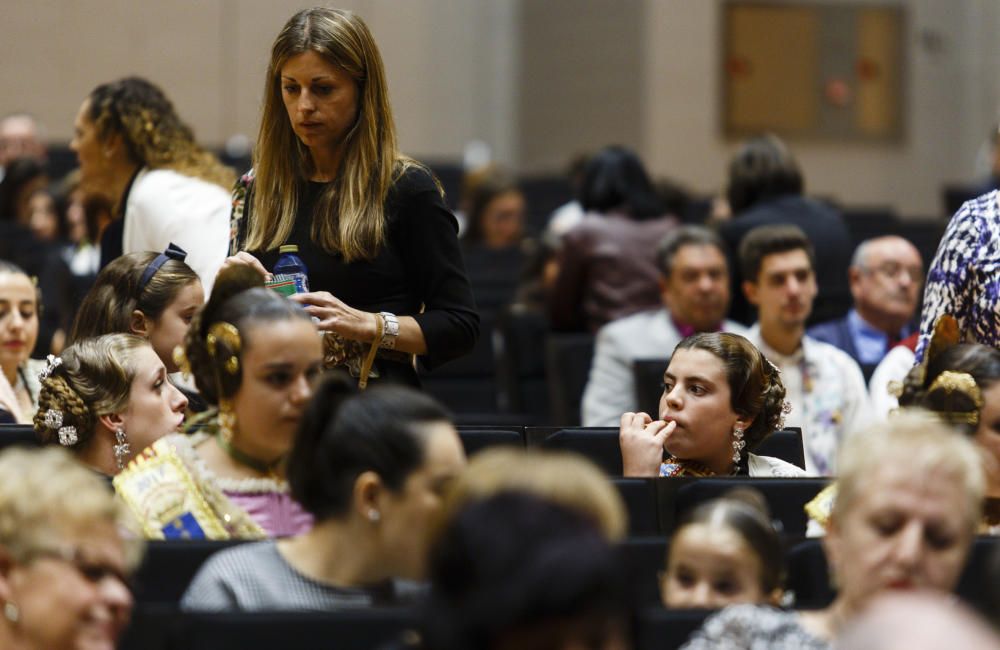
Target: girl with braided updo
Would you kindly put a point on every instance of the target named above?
(106, 399)
(721, 398)
(254, 356)
(135, 150)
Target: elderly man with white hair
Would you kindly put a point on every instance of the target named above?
(886, 276)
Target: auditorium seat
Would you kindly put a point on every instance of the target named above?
(521, 371)
(18, 435)
(568, 358)
(598, 444)
(644, 559)
(353, 629)
(667, 629)
(476, 438)
(639, 497)
(786, 497)
(169, 566)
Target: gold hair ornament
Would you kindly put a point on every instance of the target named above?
(959, 382)
(228, 335)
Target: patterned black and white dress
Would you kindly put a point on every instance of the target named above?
(754, 627)
(964, 279)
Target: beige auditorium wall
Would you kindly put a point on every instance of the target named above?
(449, 62)
(953, 75)
(535, 79)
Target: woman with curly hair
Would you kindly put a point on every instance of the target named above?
(385, 269)
(721, 398)
(106, 399)
(134, 149)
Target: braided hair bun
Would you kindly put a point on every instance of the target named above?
(93, 379)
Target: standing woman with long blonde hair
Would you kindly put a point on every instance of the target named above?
(385, 269)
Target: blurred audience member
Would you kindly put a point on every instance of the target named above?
(372, 469)
(905, 518)
(254, 355)
(607, 263)
(135, 150)
(22, 178)
(493, 244)
(963, 280)
(825, 387)
(64, 578)
(565, 478)
(19, 307)
(694, 288)
(917, 621)
(106, 399)
(886, 276)
(20, 137)
(44, 219)
(723, 552)
(891, 369)
(765, 188)
(568, 215)
(515, 571)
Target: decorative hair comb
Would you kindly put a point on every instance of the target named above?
(52, 362)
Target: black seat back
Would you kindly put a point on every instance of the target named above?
(667, 629)
(475, 439)
(18, 435)
(647, 375)
(786, 497)
(168, 567)
(568, 358)
(352, 629)
(598, 444)
(786, 445)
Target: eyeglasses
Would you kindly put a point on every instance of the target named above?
(893, 270)
(94, 571)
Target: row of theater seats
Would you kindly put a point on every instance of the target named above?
(159, 625)
(654, 628)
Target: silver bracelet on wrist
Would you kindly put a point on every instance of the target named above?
(391, 331)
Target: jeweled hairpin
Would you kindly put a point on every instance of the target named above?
(67, 436)
(786, 408)
(53, 419)
(53, 362)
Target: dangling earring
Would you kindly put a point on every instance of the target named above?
(738, 443)
(121, 448)
(227, 420)
(11, 612)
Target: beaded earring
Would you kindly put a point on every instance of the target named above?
(738, 443)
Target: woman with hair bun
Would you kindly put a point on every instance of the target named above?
(721, 398)
(135, 150)
(372, 468)
(386, 273)
(254, 356)
(106, 399)
(724, 551)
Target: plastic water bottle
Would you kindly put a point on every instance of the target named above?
(290, 273)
